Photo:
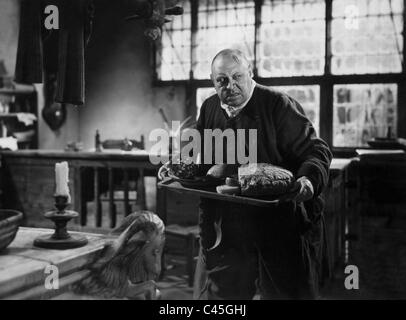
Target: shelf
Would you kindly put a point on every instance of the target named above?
(18, 89)
(13, 115)
(21, 120)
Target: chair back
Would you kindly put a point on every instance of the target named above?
(124, 144)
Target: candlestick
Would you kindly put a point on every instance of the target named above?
(61, 239)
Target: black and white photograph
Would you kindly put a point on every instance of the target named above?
(185, 150)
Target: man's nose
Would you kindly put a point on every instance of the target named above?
(230, 84)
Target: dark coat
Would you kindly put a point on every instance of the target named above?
(285, 138)
(60, 52)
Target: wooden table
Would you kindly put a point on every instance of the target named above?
(29, 183)
(22, 266)
(337, 209)
(382, 181)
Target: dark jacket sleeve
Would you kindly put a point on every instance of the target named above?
(299, 144)
(201, 124)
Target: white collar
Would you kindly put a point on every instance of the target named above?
(234, 111)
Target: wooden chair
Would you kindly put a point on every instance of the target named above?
(124, 144)
(112, 179)
(190, 234)
(128, 145)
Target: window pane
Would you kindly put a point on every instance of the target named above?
(174, 54)
(363, 112)
(292, 38)
(366, 38)
(201, 95)
(309, 99)
(223, 24)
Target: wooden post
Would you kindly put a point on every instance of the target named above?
(112, 207)
(80, 202)
(190, 251)
(127, 207)
(97, 203)
(161, 205)
(141, 190)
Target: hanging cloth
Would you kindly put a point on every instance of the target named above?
(61, 51)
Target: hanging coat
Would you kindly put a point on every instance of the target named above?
(60, 51)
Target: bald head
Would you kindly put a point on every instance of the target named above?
(230, 54)
(231, 74)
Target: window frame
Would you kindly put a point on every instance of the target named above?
(325, 81)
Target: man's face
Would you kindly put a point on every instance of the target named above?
(232, 80)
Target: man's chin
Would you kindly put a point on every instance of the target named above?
(233, 102)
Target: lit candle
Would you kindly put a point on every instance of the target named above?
(62, 179)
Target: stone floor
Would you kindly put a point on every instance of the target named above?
(379, 253)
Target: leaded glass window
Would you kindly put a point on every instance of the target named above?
(174, 54)
(223, 24)
(287, 39)
(363, 112)
(367, 36)
(292, 41)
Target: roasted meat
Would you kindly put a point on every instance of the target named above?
(183, 170)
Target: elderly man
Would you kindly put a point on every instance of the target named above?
(278, 253)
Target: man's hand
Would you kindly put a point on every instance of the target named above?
(402, 141)
(301, 191)
(163, 171)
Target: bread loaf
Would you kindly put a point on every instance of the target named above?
(264, 179)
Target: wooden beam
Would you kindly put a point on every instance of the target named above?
(404, 38)
(194, 7)
(326, 84)
(258, 21)
(401, 106)
(327, 47)
(326, 112)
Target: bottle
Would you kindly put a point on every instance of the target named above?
(97, 141)
(389, 133)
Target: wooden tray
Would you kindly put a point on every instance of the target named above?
(211, 193)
